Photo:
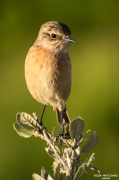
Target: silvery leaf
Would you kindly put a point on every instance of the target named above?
(44, 173)
(37, 177)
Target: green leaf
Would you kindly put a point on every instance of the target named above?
(67, 178)
(57, 175)
(76, 127)
(91, 143)
(21, 131)
(81, 172)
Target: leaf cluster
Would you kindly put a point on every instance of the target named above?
(67, 162)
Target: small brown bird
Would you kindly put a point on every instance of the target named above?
(48, 68)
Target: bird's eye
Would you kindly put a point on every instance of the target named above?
(53, 36)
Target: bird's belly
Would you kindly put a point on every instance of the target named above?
(52, 89)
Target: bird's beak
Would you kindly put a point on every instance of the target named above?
(69, 39)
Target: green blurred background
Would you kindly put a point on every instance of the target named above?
(95, 89)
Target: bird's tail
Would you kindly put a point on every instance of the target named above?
(62, 115)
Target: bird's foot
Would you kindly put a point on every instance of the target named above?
(61, 134)
(40, 122)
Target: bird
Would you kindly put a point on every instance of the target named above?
(48, 69)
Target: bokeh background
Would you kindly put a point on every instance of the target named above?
(95, 89)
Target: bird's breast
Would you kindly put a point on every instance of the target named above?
(48, 75)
